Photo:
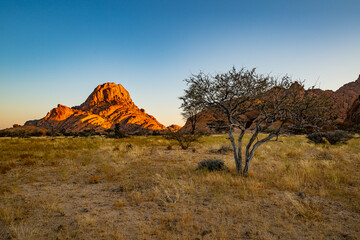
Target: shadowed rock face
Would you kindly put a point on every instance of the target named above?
(345, 100)
(345, 97)
(107, 105)
(353, 115)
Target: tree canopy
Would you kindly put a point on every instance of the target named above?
(246, 100)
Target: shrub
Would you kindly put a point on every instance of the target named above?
(37, 133)
(69, 134)
(334, 137)
(356, 128)
(156, 133)
(222, 150)
(316, 137)
(212, 165)
(118, 133)
(338, 136)
(20, 134)
(4, 133)
(184, 140)
(52, 133)
(87, 133)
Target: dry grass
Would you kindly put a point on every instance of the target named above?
(97, 188)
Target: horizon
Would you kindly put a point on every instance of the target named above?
(58, 52)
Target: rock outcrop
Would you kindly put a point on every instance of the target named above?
(345, 96)
(174, 128)
(345, 101)
(353, 115)
(107, 105)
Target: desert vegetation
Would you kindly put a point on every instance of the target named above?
(139, 188)
(246, 100)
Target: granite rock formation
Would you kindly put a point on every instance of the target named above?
(107, 105)
(353, 115)
(345, 101)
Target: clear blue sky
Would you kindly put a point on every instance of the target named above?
(58, 51)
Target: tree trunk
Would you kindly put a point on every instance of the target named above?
(250, 154)
(192, 123)
(237, 164)
(239, 152)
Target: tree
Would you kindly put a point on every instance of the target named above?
(246, 100)
(183, 139)
(118, 133)
(190, 113)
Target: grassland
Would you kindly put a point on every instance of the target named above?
(139, 188)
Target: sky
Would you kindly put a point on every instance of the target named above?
(55, 52)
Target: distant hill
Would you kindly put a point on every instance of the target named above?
(107, 105)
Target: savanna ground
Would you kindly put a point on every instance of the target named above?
(138, 188)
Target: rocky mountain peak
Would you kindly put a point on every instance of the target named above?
(105, 94)
(60, 113)
(106, 106)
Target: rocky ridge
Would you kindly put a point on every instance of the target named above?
(345, 100)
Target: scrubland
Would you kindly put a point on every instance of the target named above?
(140, 188)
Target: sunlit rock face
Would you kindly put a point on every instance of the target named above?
(174, 128)
(107, 105)
(108, 94)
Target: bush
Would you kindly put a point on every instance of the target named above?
(316, 137)
(222, 150)
(4, 133)
(118, 133)
(52, 133)
(333, 138)
(356, 128)
(36, 133)
(184, 140)
(19, 134)
(338, 136)
(156, 133)
(212, 165)
(87, 133)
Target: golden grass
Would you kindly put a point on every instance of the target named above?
(98, 188)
